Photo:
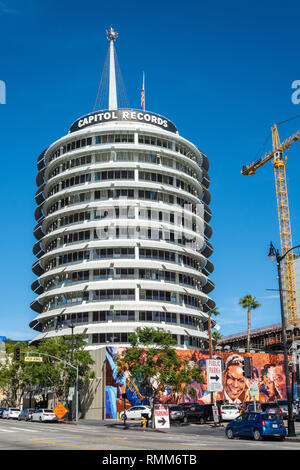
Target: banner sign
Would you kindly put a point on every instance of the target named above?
(253, 387)
(161, 416)
(122, 115)
(214, 375)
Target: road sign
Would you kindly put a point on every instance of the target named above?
(253, 387)
(214, 375)
(216, 414)
(161, 416)
(71, 393)
(60, 410)
(33, 359)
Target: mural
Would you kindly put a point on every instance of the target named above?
(267, 369)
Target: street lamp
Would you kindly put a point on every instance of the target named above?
(274, 254)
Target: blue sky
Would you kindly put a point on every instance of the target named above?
(221, 71)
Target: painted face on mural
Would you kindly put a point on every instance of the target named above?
(234, 382)
(279, 380)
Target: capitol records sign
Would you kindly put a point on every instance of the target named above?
(131, 115)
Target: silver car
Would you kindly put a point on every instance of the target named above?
(283, 404)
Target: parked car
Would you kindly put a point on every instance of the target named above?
(176, 413)
(136, 412)
(193, 412)
(1, 411)
(229, 412)
(11, 413)
(271, 408)
(297, 408)
(42, 415)
(256, 425)
(26, 414)
(284, 408)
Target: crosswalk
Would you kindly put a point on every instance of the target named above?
(45, 427)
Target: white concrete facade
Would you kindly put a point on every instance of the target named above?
(122, 235)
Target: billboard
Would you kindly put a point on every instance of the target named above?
(267, 370)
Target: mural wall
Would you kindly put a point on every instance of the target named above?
(267, 369)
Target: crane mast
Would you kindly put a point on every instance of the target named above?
(288, 268)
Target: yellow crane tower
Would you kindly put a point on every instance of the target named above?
(289, 282)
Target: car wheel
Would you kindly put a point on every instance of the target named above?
(282, 438)
(257, 435)
(40, 419)
(202, 420)
(229, 433)
(185, 420)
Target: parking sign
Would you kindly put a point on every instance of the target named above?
(214, 375)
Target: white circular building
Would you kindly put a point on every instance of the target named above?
(122, 231)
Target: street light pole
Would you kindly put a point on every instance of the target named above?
(274, 254)
(72, 326)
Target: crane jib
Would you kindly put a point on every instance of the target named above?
(291, 306)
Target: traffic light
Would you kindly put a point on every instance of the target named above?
(17, 354)
(247, 367)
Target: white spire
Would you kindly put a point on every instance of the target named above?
(112, 100)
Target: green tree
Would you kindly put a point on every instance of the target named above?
(16, 376)
(153, 364)
(250, 303)
(216, 336)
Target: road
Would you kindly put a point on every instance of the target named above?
(15, 435)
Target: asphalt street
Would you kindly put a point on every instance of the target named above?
(111, 436)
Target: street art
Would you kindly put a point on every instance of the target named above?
(267, 369)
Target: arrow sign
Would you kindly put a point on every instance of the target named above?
(161, 416)
(216, 378)
(162, 421)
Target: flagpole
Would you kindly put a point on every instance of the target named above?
(143, 94)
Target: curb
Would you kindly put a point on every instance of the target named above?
(134, 428)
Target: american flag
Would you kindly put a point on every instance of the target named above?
(143, 94)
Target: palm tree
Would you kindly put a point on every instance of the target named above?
(216, 312)
(249, 302)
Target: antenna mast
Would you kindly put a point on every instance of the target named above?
(112, 100)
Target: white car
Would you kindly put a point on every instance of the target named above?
(42, 415)
(11, 413)
(229, 412)
(136, 412)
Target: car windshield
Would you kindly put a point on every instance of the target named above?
(15, 409)
(174, 408)
(229, 407)
(282, 402)
(48, 411)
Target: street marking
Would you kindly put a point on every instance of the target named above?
(191, 446)
(25, 429)
(64, 445)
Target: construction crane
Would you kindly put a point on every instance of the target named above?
(288, 269)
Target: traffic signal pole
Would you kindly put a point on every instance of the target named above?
(67, 364)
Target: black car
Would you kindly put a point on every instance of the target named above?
(1, 411)
(193, 412)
